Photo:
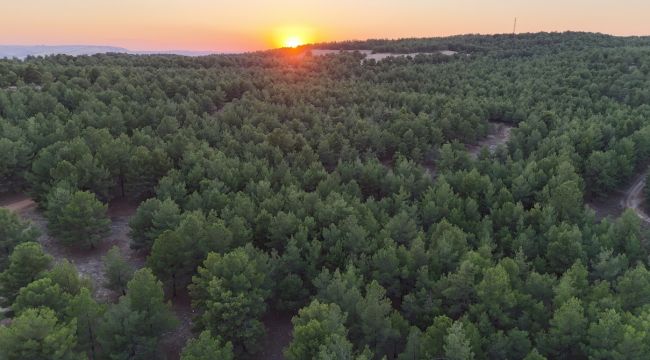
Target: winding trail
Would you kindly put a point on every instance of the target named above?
(634, 197)
(17, 203)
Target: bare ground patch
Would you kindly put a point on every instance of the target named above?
(278, 335)
(88, 262)
(630, 196)
(17, 202)
(173, 342)
(498, 134)
(369, 54)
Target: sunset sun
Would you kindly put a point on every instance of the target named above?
(291, 36)
(293, 42)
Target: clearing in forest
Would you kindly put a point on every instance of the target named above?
(89, 263)
(379, 56)
(498, 134)
(629, 197)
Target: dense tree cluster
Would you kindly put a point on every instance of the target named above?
(340, 190)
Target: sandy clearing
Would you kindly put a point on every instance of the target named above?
(498, 134)
(379, 56)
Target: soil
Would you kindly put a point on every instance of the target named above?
(498, 134)
(16, 202)
(629, 197)
(173, 342)
(278, 335)
(88, 262)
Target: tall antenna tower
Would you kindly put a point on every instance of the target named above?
(514, 28)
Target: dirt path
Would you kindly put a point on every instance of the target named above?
(172, 343)
(634, 198)
(629, 196)
(16, 202)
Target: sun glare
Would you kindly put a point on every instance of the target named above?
(291, 36)
(293, 42)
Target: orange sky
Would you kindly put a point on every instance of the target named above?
(241, 25)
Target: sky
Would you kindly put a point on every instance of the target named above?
(247, 25)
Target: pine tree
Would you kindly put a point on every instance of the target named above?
(132, 328)
(206, 347)
(457, 346)
(87, 313)
(77, 218)
(317, 327)
(65, 274)
(230, 290)
(41, 293)
(37, 334)
(146, 296)
(117, 270)
(13, 231)
(27, 263)
(153, 218)
(171, 259)
(567, 331)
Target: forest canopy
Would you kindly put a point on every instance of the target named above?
(339, 190)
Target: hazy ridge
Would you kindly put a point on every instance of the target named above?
(23, 51)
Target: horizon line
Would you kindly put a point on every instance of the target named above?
(226, 52)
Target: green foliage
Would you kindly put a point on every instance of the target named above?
(77, 218)
(230, 291)
(567, 331)
(634, 287)
(456, 346)
(205, 347)
(318, 329)
(346, 180)
(13, 231)
(117, 270)
(132, 328)
(87, 313)
(38, 334)
(27, 263)
(42, 293)
(171, 259)
(65, 274)
(152, 219)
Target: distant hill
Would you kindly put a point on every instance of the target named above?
(22, 51)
